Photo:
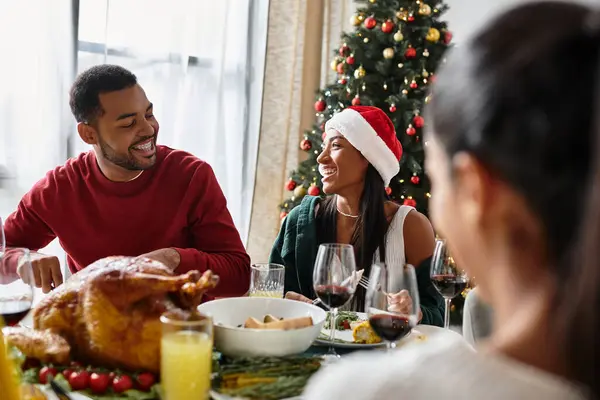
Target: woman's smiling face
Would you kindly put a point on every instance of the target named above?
(341, 165)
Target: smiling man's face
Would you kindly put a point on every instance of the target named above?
(127, 129)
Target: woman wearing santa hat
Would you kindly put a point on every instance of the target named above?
(360, 156)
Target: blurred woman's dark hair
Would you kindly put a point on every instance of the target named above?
(522, 97)
(369, 231)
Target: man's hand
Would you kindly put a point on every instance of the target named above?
(169, 257)
(45, 270)
(297, 297)
(402, 303)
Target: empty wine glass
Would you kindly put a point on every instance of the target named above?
(334, 282)
(17, 284)
(447, 278)
(392, 301)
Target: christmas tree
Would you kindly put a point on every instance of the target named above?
(388, 61)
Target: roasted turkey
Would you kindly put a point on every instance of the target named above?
(108, 314)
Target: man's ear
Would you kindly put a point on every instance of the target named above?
(87, 133)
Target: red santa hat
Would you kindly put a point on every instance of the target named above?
(372, 133)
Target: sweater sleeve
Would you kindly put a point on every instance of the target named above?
(26, 227)
(278, 257)
(216, 242)
(432, 304)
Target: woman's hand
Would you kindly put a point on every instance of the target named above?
(297, 297)
(402, 303)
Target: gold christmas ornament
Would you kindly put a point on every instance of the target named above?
(433, 35)
(300, 192)
(424, 10)
(360, 73)
(398, 36)
(425, 53)
(425, 74)
(405, 92)
(366, 40)
(427, 99)
(361, 17)
(334, 64)
(388, 53)
(402, 14)
(372, 1)
(355, 20)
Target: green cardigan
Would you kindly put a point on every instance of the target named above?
(296, 248)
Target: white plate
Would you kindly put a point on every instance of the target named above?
(418, 333)
(219, 396)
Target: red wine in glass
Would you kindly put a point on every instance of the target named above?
(449, 286)
(332, 295)
(13, 311)
(390, 327)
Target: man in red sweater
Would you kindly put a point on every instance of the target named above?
(129, 196)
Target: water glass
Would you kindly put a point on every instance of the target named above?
(266, 280)
(186, 355)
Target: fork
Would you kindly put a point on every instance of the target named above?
(364, 282)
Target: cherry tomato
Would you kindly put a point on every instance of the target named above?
(346, 324)
(44, 372)
(122, 383)
(145, 381)
(67, 373)
(79, 380)
(99, 382)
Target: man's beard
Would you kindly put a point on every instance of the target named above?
(125, 161)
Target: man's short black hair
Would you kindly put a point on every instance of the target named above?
(84, 94)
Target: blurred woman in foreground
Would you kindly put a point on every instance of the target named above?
(514, 158)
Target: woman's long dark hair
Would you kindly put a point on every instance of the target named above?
(522, 96)
(369, 231)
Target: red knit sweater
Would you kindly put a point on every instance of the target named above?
(177, 203)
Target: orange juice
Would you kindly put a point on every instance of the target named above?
(186, 364)
(8, 383)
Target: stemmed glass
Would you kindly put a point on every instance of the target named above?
(334, 282)
(392, 301)
(447, 278)
(17, 284)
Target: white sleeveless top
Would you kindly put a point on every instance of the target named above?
(394, 245)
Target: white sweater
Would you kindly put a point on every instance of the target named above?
(438, 369)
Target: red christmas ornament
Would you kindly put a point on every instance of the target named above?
(388, 190)
(447, 37)
(342, 81)
(392, 108)
(356, 101)
(413, 85)
(320, 105)
(410, 53)
(350, 60)
(410, 202)
(411, 18)
(313, 190)
(410, 131)
(282, 215)
(415, 179)
(340, 68)
(344, 50)
(387, 26)
(370, 22)
(419, 121)
(306, 145)
(290, 185)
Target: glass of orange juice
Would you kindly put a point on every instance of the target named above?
(266, 280)
(186, 355)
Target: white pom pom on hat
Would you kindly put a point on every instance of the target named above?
(372, 133)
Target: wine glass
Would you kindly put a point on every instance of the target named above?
(392, 301)
(2, 239)
(447, 278)
(17, 284)
(334, 282)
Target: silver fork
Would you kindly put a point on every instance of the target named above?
(364, 282)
